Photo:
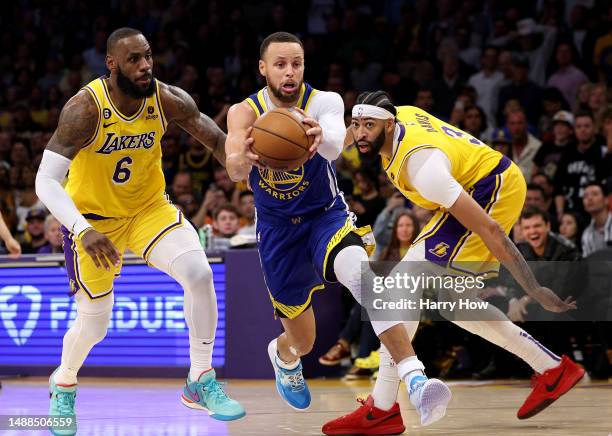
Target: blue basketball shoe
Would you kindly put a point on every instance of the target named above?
(206, 393)
(430, 398)
(61, 406)
(290, 383)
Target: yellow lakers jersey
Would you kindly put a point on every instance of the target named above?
(471, 160)
(118, 171)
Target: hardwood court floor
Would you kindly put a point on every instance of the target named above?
(133, 407)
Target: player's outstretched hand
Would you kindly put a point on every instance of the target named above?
(13, 248)
(313, 130)
(248, 157)
(101, 249)
(551, 301)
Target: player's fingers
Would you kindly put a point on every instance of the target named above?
(252, 156)
(94, 256)
(103, 260)
(112, 253)
(300, 110)
(249, 131)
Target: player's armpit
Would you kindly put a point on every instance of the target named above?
(76, 126)
(179, 107)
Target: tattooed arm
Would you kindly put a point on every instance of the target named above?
(180, 108)
(77, 125)
(474, 218)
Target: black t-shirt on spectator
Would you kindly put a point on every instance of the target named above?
(372, 208)
(575, 171)
(549, 155)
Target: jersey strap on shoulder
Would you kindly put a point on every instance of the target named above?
(257, 102)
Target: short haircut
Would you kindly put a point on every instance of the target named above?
(245, 194)
(226, 207)
(48, 220)
(603, 188)
(534, 187)
(278, 37)
(531, 211)
(379, 99)
(583, 113)
(119, 34)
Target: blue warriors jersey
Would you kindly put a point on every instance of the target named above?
(296, 194)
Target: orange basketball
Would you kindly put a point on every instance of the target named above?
(280, 140)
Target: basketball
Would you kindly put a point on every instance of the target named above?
(280, 140)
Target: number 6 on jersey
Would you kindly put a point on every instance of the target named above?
(122, 172)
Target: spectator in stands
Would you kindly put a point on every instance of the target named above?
(368, 203)
(34, 238)
(226, 223)
(53, 235)
(524, 144)
(475, 123)
(424, 99)
(246, 204)
(578, 167)
(598, 98)
(11, 245)
(25, 195)
(571, 228)
(527, 93)
(537, 43)
(182, 184)
(404, 232)
(549, 155)
(447, 88)
(95, 57)
(567, 77)
(488, 82)
(598, 233)
(552, 103)
(540, 245)
(605, 130)
(198, 161)
(383, 226)
(537, 197)
(223, 182)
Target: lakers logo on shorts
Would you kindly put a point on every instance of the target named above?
(440, 249)
(284, 185)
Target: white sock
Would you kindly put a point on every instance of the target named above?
(411, 371)
(514, 339)
(65, 376)
(387, 383)
(200, 354)
(280, 362)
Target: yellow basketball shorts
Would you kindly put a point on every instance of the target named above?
(449, 244)
(139, 233)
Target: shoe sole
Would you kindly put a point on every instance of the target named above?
(197, 406)
(272, 357)
(439, 410)
(547, 402)
(379, 431)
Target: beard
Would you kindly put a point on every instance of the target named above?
(131, 89)
(374, 146)
(285, 98)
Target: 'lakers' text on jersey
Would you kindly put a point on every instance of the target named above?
(297, 193)
(117, 173)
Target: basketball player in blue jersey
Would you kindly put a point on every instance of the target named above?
(109, 136)
(305, 234)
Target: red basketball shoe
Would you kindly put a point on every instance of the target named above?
(367, 420)
(549, 386)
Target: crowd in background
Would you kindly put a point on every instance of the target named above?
(530, 79)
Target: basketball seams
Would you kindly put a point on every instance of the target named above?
(282, 137)
(297, 121)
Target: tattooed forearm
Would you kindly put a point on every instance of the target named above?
(77, 124)
(180, 107)
(518, 267)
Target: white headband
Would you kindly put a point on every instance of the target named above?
(371, 111)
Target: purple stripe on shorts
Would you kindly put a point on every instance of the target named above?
(70, 256)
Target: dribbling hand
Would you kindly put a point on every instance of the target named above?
(101, 249)
(314, 130)
(551, 301)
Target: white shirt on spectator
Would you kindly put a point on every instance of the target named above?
(594, 239)
(487, 87)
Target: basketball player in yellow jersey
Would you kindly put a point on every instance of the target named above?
(109, 137)
(478, 195)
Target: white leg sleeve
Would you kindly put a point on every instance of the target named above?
(89, 328)
(347, 267)
(180, 255)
